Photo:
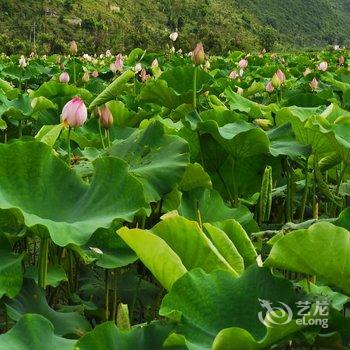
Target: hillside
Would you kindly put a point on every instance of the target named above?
(124, 24)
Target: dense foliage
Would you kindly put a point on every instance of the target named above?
(222, 25)
(198, 206)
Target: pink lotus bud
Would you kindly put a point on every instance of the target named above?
(233, 75)
(341, 60)
(143, 75)
(307, 72)
(64, 78)
(106, 117)
(243, 64)
(74, 113)
(155, 63)
(119, 62)
(22, 62)
(323, 66)
(113, 68)
(198, 56)
(95, 74)
(173, 36)
(281, 76)
(240, 91)
(73, 47)
(314, 84)
(269, 87)
(86, 77)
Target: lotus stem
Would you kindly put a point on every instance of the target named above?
(306, 191)
(195, 73)
(43, 262)
(68, 141)
(106, 294)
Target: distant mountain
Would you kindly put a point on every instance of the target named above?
(222, 25)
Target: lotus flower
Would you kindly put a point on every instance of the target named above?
(243, 64)
(341, 60)
(137, 68)
(113, 68)
(233, 75)
(106, 117)
(281, 76)
(269, 87)
(86, 77)
(240, 91)
(74, 113)
(174, 35)
(198, 56)
(323, 66)
(155, 63)
(64, 78)
(314, 84)
(119, 64)
(143, 75)
(307, 72)
(73, 47)
(278, 79)
(22, 62)
(95, 74)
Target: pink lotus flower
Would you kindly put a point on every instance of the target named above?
(233, 75)
(106, 117)
(74, 113)
(198, 56)
(281, 76)
(323, 66)
(314, 84)
(144, 76)
(269, 87)
(95, 74)
(64, 78)
(119, 63)
(341, 60)
(243, 64)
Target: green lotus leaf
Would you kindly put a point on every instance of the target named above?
(34, 332)
(322, 250)
(109, 336)
(31, 300)
(46, 193)
(158, 160)
(205, 304)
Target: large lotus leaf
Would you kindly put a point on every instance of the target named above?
(158, 160)
(302, 124)
(109, 336)
(186, 247)
(322, 250)
(181, 78)
(240, 139)
(10, 269)
(211, 208)
(194, 177)
(158, 92)
(205, 304)
(339, 138)
(283, 143)
(60, 93)
(19, 108)
(112, 91)
(31, 300)
(34, 332)
(48, 194)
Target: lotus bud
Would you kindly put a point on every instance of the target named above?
(86, 77)
(74, 113)
(119, 62)
(323, 66)
(22, 62)
(240, 91)
(243, 64)
(281, 76)
(143, 75)
(314, 84)
(233, 75)
(108, 53)
(73, 47)
(198, 56)
(307, 72)
(137, 68)
(269, 87)
(275, 81)
(155, 63)
(113, 68)
(341, 60)
(64, 78)
(95, 74)
(106, 117)
(173, 36)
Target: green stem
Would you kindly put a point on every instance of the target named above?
(43, 262)
(115, 295)
(68, 140)
(306, 191)
(101, 135)
(74, 71)
(20, 129)
(314, 199)
(340, 179)
(195, 87)
(106, 294)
